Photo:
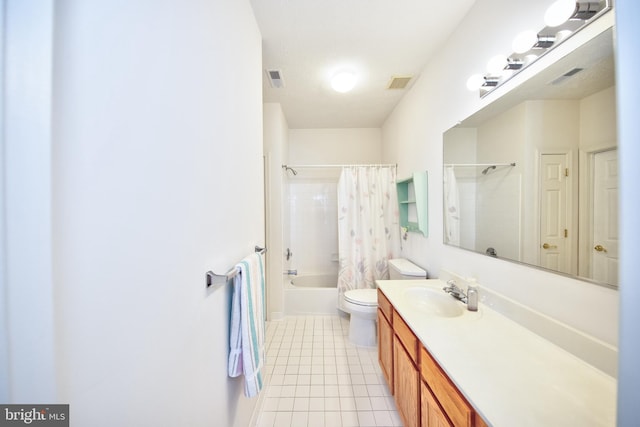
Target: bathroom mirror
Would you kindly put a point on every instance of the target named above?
(532, 177)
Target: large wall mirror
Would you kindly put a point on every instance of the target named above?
(533, 178)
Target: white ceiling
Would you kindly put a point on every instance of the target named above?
(309, 40)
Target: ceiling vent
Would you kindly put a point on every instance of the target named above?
(275, 78)
(566, 76)
(399, 82)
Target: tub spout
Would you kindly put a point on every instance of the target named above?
(291, 272)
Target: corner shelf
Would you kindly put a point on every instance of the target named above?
(413, 194)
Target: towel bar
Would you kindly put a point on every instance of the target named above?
(220, 279)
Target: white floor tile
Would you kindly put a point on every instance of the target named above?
(363, 404)
(383, 418)
(315, 377)
(299, 419)
(366, 419)
(285, 404)
(316, 404)
(350, 419)
(332, 419)
(283, 419)
(301, 404)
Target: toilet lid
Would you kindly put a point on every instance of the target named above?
(368, 297)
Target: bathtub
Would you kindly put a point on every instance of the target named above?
(311, 294)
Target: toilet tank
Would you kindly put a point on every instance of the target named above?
(403, 269)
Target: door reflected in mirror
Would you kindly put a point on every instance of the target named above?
(534, 180)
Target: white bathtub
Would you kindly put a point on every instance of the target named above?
(311, 294)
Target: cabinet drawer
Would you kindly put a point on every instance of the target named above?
(455, 406)
(385, 306)
(406, 336)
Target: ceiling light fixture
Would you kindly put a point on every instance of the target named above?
(343, 81)
(562, 19)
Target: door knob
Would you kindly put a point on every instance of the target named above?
(548, 246)
(600, 248)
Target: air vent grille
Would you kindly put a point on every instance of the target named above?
(566, 76)
(399, 82)
(275, 78)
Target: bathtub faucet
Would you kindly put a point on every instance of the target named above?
(291, 272)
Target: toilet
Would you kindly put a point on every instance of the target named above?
(362, 304)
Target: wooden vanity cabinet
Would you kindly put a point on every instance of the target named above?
(406, 376)
(385, 338)
(424, 394)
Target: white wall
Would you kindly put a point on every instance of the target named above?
(412, 137)
(155, 177)
(276, 147)
(335, 146)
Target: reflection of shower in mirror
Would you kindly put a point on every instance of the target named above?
(484, 172)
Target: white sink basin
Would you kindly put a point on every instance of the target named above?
(433, 301)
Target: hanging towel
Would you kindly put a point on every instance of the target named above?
(246, 338)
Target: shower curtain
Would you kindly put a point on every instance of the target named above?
(452, 207)
(368, 231)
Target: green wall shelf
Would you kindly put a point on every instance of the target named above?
(413, 195)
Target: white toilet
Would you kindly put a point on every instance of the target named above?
(362, 304)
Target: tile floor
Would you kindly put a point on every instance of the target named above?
(315, 377)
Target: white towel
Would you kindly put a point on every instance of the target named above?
(246, 339)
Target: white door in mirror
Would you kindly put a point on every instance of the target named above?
(604, 256)
(554, 247)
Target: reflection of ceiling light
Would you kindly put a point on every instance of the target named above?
(524, 41)
(343, 81)
(559, 12)
(561, 35)
(529, 59)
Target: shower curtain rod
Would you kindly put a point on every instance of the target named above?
(342, 166)
(478, 164)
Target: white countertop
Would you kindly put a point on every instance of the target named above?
(511, 376)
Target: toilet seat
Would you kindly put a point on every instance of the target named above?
(362, 297)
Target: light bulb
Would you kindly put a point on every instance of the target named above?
(475, 82)
(559, 12)
(343, 81)
(524, 41)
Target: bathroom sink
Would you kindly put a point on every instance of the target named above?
(433, 301)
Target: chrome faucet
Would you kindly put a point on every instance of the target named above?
(455, 291)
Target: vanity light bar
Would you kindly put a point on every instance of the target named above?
(546, 39)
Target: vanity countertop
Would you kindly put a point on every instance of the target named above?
(510, 375)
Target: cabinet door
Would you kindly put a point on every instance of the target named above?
(450, 399)
(432, 414)
(406, 382)
(385, 348)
